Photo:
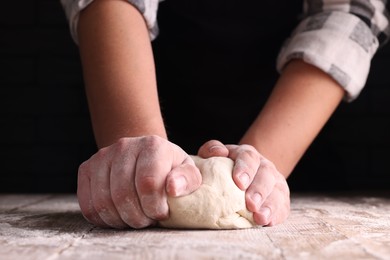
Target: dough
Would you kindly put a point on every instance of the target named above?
(217, 204)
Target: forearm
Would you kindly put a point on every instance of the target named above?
(301, 103)
(119, 72)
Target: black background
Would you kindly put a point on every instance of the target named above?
(45, 130)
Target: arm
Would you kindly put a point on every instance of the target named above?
(300, 104)
(126, 183)
(326, 59)
(302, 101)
(119, 72)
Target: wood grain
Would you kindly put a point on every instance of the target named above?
(321, 226)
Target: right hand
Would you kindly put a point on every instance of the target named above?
(127, 184)
(267, 194)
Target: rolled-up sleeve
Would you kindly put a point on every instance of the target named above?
(340, 38)
(148, 8)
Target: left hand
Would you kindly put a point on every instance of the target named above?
(267, 193)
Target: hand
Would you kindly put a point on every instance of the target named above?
(127, 183)
(267, 193)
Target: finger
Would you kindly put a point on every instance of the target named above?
(150, 185)
(274, 210)
(183, 179)
(154, 163)
(246, 164)
(84, 196)
(124, 194)
(101, 194)
(261, 186)
(213, 148)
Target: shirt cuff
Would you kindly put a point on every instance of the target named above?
(148, 9)
(338, 43)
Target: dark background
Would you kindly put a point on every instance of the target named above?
(45, 131)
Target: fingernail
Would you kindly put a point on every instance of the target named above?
(266, 212)
(180, 185)
(244, 179)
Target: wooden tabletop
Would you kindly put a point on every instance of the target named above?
(321, 226)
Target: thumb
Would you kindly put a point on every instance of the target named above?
(183, 180)
(213, 148)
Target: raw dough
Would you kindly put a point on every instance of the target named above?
(217, 204)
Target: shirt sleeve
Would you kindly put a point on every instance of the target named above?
(148, 9)
(340, 38)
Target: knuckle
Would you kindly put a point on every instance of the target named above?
(267, 165)
(99, 156)
(248, 148)
(151, 146)
(102, 152)
(250, 152)
(121, 148)
(121, 145)
(147, 184)
(122, 141)
(85, 172)
(152, 141)
(83, 168)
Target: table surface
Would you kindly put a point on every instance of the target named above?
(321, 226)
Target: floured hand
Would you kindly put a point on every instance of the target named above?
(127, 184)
(267, 193)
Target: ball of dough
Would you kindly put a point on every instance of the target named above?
(217, 204)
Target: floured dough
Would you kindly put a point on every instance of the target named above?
(217, 204)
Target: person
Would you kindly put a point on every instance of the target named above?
(166, 80)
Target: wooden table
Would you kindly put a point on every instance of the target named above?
(330, 226)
